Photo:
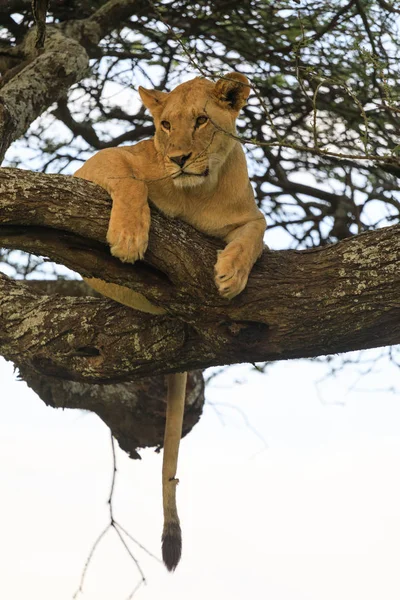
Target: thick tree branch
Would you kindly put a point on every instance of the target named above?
(61, 336)
(297, 304)
(43, 81)
(134, 411)
(113, 15)
(114, 12)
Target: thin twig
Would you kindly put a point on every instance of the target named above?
(118, 529)
(137, 543)
(88, 560)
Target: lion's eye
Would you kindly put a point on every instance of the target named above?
(201, 120)
(166, 125)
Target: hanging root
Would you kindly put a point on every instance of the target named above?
(171, 536)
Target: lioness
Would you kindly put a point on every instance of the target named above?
(195, 170)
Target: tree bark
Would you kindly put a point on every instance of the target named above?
(297, 304)
(134, 411)
(46, 77)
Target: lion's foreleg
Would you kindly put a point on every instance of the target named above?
(128, 229)
(235, 262)
(171, 536)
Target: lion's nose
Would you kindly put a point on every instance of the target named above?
(180, 160)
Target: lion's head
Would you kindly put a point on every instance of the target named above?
(193, 123)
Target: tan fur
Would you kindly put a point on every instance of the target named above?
(193, 169)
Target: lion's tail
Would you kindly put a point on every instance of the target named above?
(171, 536)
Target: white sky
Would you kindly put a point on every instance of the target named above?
(315, 515)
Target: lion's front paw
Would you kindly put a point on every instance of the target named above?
(128, 246)
(231, 273)
(129, 241)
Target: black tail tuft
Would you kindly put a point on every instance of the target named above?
(171, 545)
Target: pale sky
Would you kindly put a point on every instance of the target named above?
(315, 515)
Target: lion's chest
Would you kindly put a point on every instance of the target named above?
(207, 214)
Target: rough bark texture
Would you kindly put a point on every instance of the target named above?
(135, 412)
(45, 78)
(297, 304)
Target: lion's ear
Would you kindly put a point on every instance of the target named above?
(233, 90)
(152, 99)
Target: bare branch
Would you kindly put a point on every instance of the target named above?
(39, 9)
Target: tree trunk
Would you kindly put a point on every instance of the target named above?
(297, 304)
